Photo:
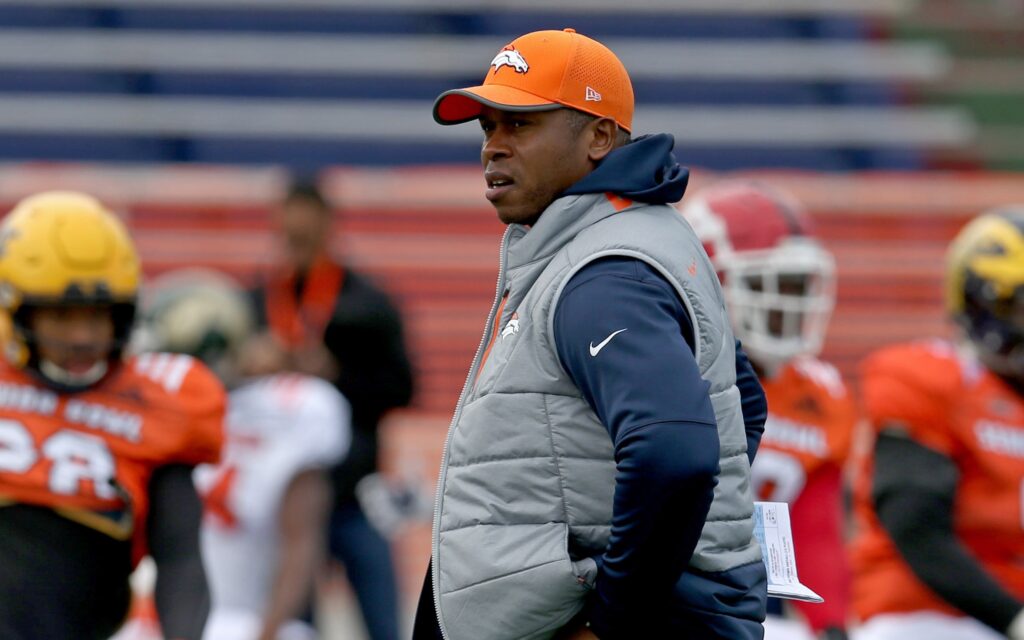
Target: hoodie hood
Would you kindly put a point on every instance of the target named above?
(644, 170)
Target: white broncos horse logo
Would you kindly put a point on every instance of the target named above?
(510, 58)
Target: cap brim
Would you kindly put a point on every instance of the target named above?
(462, 105)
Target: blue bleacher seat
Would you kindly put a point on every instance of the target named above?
(775, 93)
(29, 16)
(29, 147)
(305, 86)
(732, 158)
(486, 22)
(889, 159)
(61, 81)
(275, 20)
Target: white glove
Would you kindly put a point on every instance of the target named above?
(392, 503)
(1016, 629)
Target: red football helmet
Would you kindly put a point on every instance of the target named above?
(779, 281)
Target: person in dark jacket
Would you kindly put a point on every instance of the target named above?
(332, 321)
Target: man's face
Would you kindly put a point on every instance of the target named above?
(305, 230)
(529, 159)
(73, 338)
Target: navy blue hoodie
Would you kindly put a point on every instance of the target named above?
(625, 338)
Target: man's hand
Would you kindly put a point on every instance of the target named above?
(262, 355)
(315, 360)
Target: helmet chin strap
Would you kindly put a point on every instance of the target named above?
(62, 376)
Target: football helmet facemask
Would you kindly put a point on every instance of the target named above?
(778, 281)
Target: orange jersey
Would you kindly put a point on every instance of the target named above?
(807, 436)
(90, 455)
(811, 418)
(947, 401)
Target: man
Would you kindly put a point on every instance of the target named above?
(96, 451)
(597, 471)
(939, 548)
(779, 285)
(332, 322)
(268, 500)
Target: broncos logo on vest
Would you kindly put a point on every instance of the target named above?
(509, 57)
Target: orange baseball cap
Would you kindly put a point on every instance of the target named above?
(547, 70)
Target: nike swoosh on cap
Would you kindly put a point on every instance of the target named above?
(594, 350)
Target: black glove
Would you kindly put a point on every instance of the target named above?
(833, 633)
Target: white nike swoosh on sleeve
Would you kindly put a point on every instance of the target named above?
(594, 350)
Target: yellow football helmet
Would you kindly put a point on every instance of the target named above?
(985, 287)
(63, 248)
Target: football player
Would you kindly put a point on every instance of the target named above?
(268, 500)
(96, 450)
(940, 501)
(779, 283)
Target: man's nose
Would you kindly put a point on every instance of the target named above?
(495, 146)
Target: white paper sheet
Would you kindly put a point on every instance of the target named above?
(774, 534)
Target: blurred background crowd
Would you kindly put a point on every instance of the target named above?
(894, 122)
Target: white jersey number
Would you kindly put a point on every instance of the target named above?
(74, 456)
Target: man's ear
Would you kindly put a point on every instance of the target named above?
(605, 132)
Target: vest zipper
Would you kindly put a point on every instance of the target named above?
(499, 293)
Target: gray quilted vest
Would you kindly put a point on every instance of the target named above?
(525, 492)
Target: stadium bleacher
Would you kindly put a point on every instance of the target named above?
(315, 83)
(987, 75)
(310, 83)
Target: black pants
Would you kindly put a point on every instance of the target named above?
(426, 626)
(59, 580)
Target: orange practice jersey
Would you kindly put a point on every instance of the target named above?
(811, 418)
(948, 402)
(90, 455)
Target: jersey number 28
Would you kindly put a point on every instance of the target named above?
(74, 457)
